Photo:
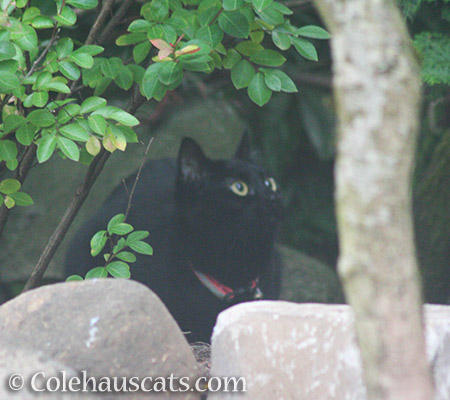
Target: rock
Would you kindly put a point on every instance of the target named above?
(28, 363)
(107, 327)
(308, 280)
(306, 351)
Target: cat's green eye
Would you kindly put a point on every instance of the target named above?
(240, 188)
(270, 183)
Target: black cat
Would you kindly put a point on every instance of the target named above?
(212, 226)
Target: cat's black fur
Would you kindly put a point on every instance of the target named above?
(196, 221)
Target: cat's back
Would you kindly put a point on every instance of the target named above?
(151, 209)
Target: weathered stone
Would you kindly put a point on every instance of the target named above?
(307, 351)
(107, 327)
(29, 364)
(308, 280)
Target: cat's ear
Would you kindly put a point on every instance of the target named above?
(192, 163)
(243, 151)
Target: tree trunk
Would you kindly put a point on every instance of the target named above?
(377, 91)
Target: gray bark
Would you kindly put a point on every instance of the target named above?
(377, 91)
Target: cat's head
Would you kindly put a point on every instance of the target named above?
(227, 205)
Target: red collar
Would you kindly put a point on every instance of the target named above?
(226, 293)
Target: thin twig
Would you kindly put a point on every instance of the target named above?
(55, 240)
(98, 24)
(44, 52)
(120, 13)
(138, 175)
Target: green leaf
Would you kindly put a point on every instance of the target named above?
(83, 4)
(97, 272)
(128, 133)
(56, 86)
(117, 219)
(91, 104)
(136, 236)
(67, 17)
(281, 40)
(121, 229)
(124, 78)
(230, 5)
(12, 122)
(46, 147)
(41, 118)
(273, 82)
(231, 59)
(8, 82)
(64, 47)
(42, 22)
(83, 60)
(234, 24)
(119, 269)
(131, 38)
(91, 49)
(261, 4)
(212, 35)
(7, 51)
(22, 199)
(139, 25)
(108, 69)
(42, 79)
(69, 148)
(116, 137)
(287, 85)
(67, 113)
(207, 12)
(29, 14)
(9, 202)
(124, 118)
(9, 186)
(126, 256)
(169, 72)
(141, 247)
(281, 8)
(72, 278)
(271, 15)
(25, 134)
(12, 164)
(75, 132)
(93, 146)
(258, 91)
(69, 70)
(159, 10)
(305, 48)
(269, 58)
(248, 47)
(40, 99)
(242, 74)
(97, 123)
(140, 52)
(102, 85)
(25, 37)
(98, 243)
(121, 244)
(312, 31)
(8, 150)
